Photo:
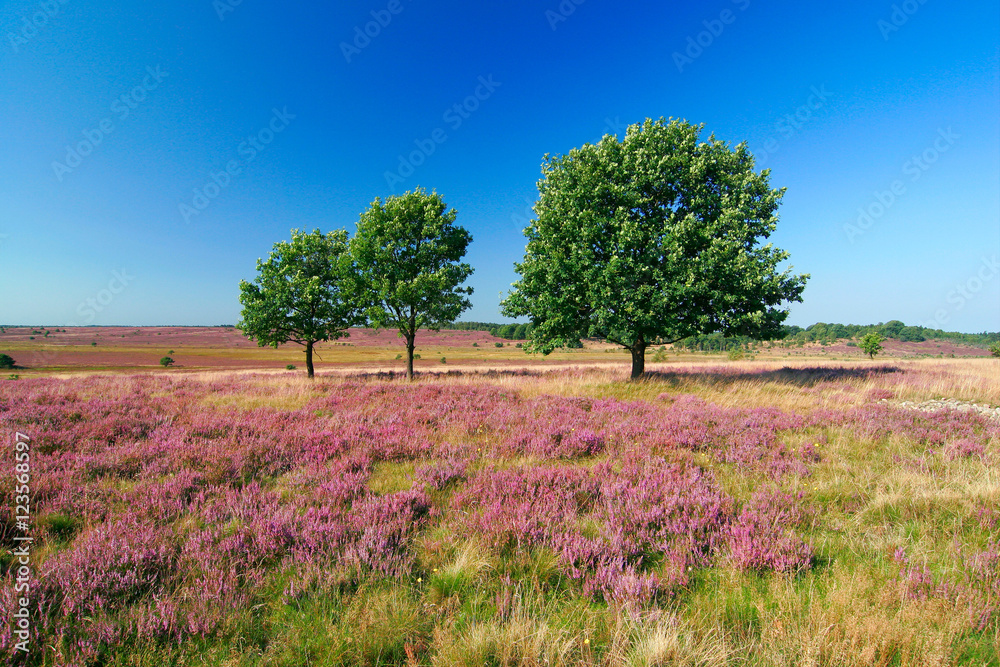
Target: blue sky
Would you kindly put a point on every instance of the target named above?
(151, 152)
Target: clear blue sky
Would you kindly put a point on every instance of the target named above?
(872, 90)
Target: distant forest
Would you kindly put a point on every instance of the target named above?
(821, 332)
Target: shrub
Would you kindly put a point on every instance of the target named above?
(519, 345)
(399, 356)
(475, 345)
(290, 367)
(6, 361)
(995, 349)
(497, 344)
(166, 361)
(443, 360)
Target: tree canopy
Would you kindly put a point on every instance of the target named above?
(871, 344)
(304, 293)
(652, 238)
(407, 254)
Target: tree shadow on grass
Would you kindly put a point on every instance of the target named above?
(802, 377)
(433, 374)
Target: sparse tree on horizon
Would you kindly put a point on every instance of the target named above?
(871, 343)
(652, 238)
(303, 293)
(407, 253)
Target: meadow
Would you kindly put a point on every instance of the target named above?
(770, 512)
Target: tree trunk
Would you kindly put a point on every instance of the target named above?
(309, 358)
(638, 359)
(410, 344)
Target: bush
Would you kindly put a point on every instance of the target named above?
(6, 361)
(166, 361)
(290, 367)
(519, 345)
(475, 345)
(995, 349)
(497, 344)
(399, 356)
(443, 360)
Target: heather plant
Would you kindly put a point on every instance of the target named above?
(346, 519)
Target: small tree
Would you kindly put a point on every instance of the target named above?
(303, 293)
(407, 253)
(6, 361)
(995, 349)
(871, 343)
(166, 361)
(654, 237)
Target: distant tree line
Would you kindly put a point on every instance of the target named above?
(825, 333)
(512, 331)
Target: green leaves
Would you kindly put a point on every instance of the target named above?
(305, 292)
(652, 237)
(407, 253)
(871, 343)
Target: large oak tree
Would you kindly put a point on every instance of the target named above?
(304, 293)
(407, 253)
(652, 238)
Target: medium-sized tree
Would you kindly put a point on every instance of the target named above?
(407, 253)
(871, 343)
(654, 237)
(166, 361)
(303, 293)
(6, 361)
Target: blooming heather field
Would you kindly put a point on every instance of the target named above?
(750, 514)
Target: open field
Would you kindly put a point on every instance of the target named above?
(724, 513)
(86, 349)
